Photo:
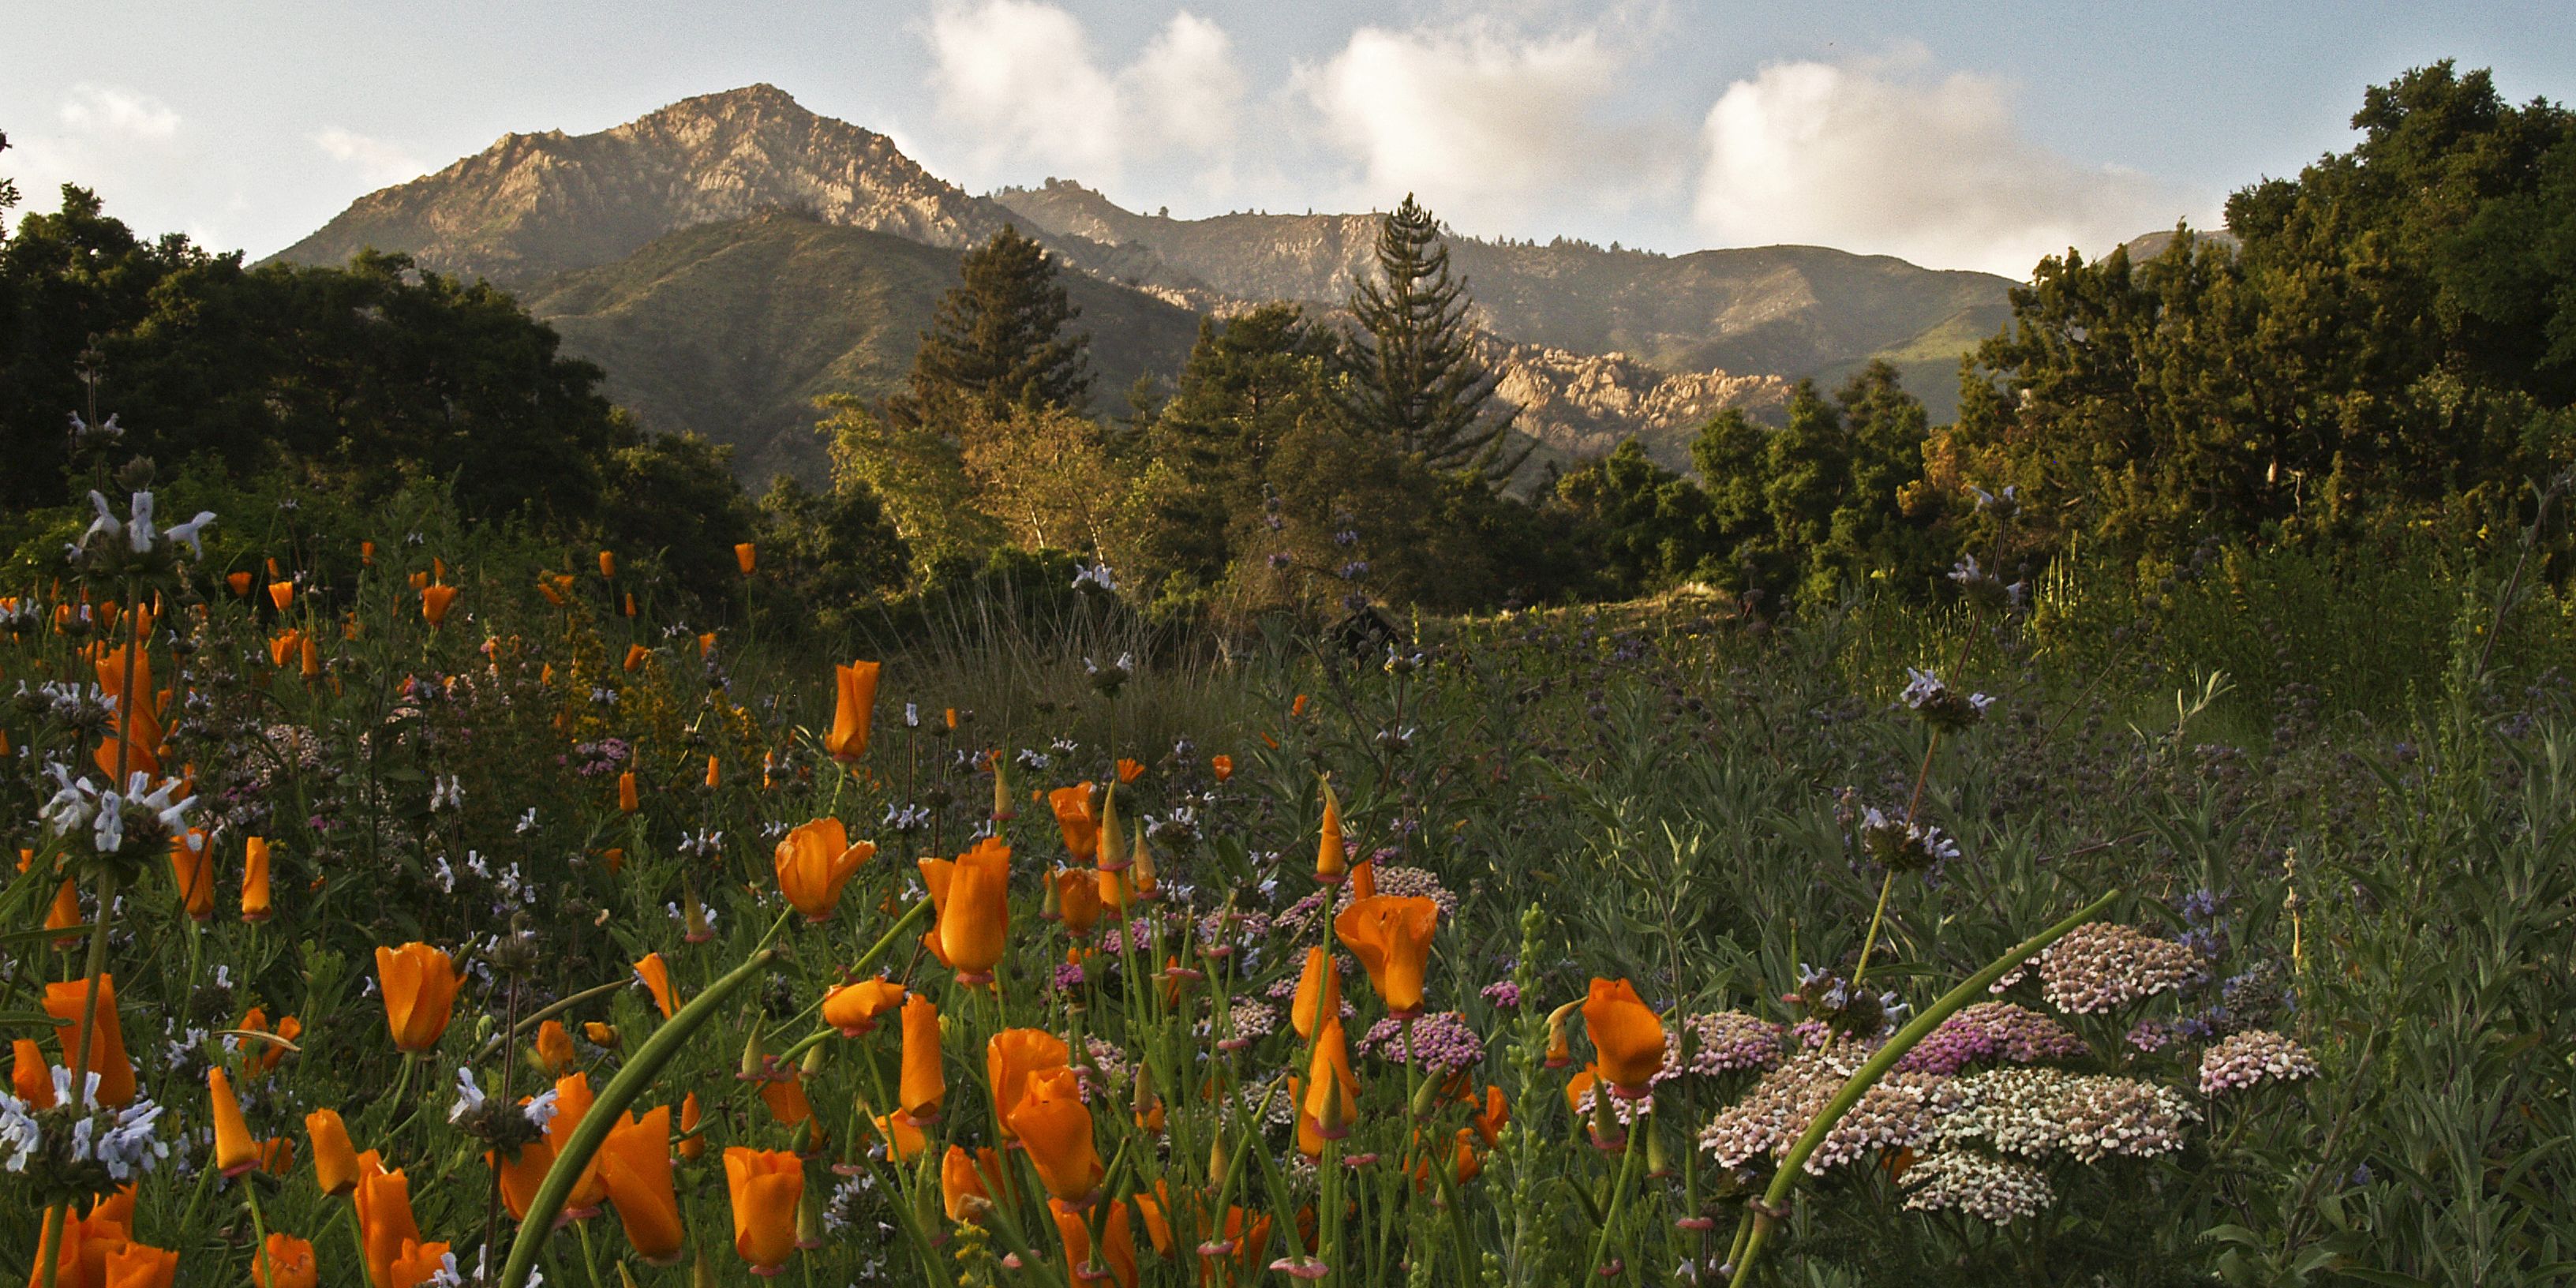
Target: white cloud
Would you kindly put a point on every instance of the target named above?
(1882, 156)
(1185, 88)
(1488, 127)
(383, 164)
(106, 111)
(1022, 77)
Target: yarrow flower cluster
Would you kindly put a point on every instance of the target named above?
(1778, 1110)
(2102, 966)
(1726, 1041)
(2254, 1056)
(2041, 1112)
(1995, 1190)
(1441, 1041)
(1991, 1031)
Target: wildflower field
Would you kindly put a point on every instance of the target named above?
(421, 908)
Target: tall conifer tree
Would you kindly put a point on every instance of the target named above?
(999, 340)
(1414, 373)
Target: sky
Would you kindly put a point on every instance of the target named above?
(1969, 135)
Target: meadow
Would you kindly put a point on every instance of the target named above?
(461, 902)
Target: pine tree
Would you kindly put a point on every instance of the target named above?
(1415, 377)
(998, 341)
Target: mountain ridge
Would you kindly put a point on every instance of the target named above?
(1591, 344)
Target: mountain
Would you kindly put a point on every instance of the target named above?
(731, 256)
(534, 204)
(1790, 311)
(734, 328)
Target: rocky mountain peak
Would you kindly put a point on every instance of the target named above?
(534, 204)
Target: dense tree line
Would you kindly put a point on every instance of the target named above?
(2384, 343)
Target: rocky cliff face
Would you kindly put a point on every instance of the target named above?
(1580, 405)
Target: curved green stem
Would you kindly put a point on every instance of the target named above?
(1877, 1066)
(621, 1091)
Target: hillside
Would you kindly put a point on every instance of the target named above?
(1775, 310)
(733, 329)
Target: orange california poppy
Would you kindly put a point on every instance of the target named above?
(693, 1143)
(1331, 859)
(1118, 1243)
(335, 1160)
(1391, 935)
(1560, 1048)
(746, 556)
(1491, 1115)
(923, 1083)
(139, 1265)
(240, 583)
(522, 1174)
(285, 1261)
(1130, 770)
(554, 1049)
(65, 913)
(814, 860)
(235, 1151)
(1625, 1034)
(434, 603)
(1054, 1126)
(573, 1096)
(1363, 879)
(966, 1182)
(766, 1185)
(854, 702)
(1222, 766)
(635, 1164)
(626, 800)
(255, 891)
(854, 1008)
(656, 975)
(385, 1221)
(608, 563)
(1331, 1102)
(282, 594)
(192, 866)
(1319, 992)
(419, 983)
(31, 1075)
(106, 1042)
(415, 1263)
(1074, 818)
(1011, 1058)
(974, 921)
(1077, 892)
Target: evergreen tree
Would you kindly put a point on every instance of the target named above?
(999, 340)
(1415, 376)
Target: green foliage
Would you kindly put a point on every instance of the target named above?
(833, 553)
(2379, 348)
(361, 377)
(1650, 528)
